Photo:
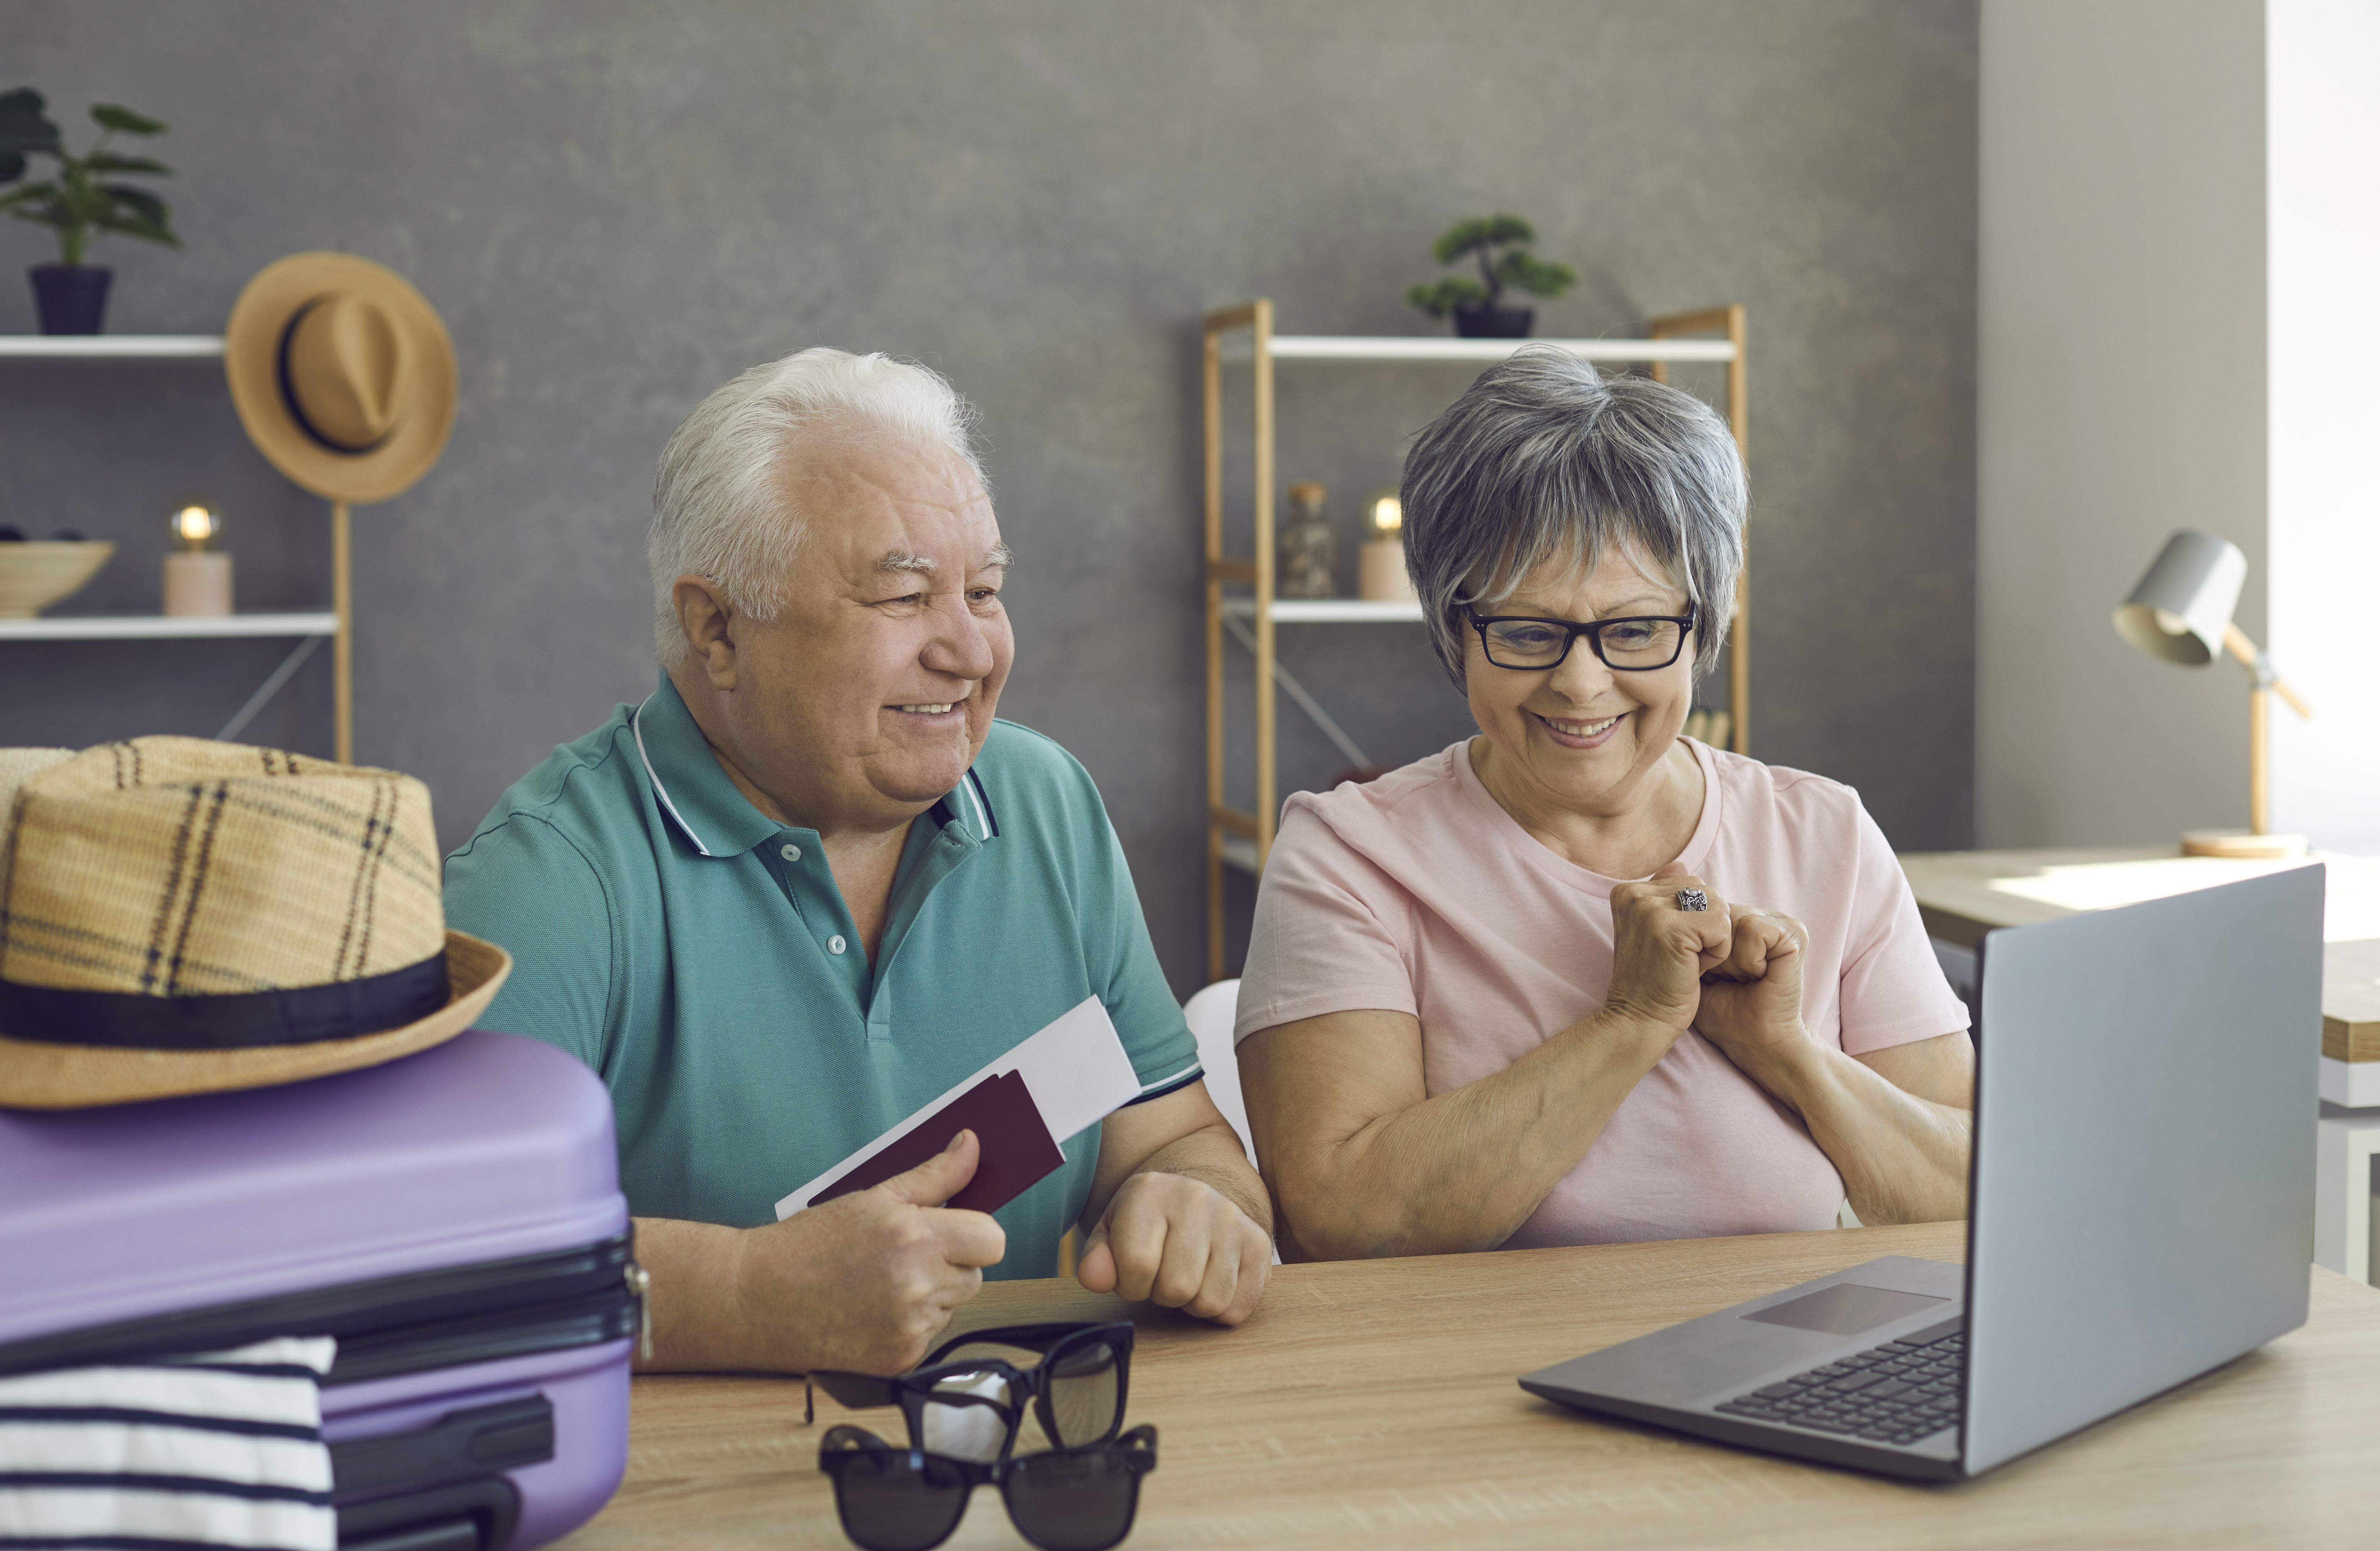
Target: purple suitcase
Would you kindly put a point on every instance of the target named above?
(453, 1217)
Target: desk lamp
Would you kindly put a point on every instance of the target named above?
(2182, 613)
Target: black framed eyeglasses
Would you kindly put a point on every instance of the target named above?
(1636, 645)
(966, 1401)
(910, 1499)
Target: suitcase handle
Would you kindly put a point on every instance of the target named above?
(437, 1488)
(470, 1516)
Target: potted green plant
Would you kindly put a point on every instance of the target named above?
(1495, 243)
(85, 200)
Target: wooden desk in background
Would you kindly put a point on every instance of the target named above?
(1372, 1404)
(1962, 895)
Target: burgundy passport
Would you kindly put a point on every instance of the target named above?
(1016, 1150)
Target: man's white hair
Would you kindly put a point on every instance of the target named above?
(719, 512)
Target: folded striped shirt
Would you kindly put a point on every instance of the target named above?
(220, 1449)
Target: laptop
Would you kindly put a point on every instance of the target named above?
(2141, 1210)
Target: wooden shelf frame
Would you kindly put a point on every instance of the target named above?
(1244, 334)
(1728, 321)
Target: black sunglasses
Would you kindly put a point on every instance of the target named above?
(1076, 1391)
(1529, 644)
(1064, 1499)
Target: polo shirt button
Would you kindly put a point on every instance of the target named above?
(791, 853)
(835, 943)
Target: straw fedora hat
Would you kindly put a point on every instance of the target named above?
(342, 374)
(182, 916)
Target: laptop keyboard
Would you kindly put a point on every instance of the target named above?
(1899, 1392)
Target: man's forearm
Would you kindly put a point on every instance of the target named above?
(696, 1325)
(1212, 1155)
(1904, 1159)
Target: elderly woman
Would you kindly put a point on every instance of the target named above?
(1580, 979)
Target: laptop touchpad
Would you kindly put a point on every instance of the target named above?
(1845, 1308)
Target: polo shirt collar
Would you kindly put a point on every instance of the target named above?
(718, 820)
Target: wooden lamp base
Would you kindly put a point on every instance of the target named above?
(2254, 843)
(2242, 845)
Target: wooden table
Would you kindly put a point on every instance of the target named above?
(1372, 1404)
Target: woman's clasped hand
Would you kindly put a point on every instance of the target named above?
(1733, 973)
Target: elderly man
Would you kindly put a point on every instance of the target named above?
(810, 883)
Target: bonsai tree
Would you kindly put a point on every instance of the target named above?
(1480, 239)
(82, 200)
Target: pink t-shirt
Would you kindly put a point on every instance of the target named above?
(1417, 893)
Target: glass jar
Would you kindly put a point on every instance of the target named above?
(1306, 555)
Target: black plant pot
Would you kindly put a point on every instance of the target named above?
(71, 297)
(1494, 322)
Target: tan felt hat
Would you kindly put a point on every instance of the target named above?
(342, 374)
(182, 916)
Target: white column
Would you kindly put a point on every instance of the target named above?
(2323, 91)
(2122, 395)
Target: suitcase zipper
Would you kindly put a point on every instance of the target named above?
(641, 1288)
(396, 1324)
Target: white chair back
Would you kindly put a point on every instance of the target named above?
(1211, 1012)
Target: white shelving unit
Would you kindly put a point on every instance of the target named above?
(1349, 347)
(1240, 837)
(161, 626)
(112, 346)
(311, 629)
(1328, 611)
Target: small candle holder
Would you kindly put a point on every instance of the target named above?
(198, 580)
(1381, 576)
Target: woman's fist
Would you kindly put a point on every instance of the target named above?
(1752, 999)
(1660, 953)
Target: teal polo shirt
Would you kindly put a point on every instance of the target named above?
(697, 954)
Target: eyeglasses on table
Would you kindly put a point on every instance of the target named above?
(911, 1500)
(966, 1401)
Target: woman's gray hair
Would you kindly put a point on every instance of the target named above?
(719, 512)
(1545, 459)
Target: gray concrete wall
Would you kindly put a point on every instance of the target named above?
(2122, 192)
(617, 207)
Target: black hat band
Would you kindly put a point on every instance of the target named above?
(301, 1015)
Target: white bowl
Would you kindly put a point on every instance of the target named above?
(36, 573)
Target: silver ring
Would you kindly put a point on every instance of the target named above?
(1693, 899)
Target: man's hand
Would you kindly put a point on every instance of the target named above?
(1177, 1216)
(1752, 1000)
(865, 1282)
(1179, 1244)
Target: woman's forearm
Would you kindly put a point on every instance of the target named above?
(1904, 1159)
(1465, 1169)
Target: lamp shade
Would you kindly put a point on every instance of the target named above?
(2182, 606)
